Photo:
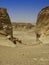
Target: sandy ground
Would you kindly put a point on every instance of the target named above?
(27, 53)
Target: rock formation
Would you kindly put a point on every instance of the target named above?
(5, 24)
(42, 24)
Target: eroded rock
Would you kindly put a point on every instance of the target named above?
(42, 24)
(5, 24)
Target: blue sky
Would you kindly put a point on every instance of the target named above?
(23, 10)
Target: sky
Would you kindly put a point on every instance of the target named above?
(23, 10)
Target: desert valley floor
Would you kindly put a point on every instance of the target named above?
(26, 53)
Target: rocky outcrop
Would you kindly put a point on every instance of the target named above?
(42, 24)
(6, 26)
(5, 23)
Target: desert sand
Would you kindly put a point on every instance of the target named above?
(26, 53)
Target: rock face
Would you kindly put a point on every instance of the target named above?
(5, 23)
(42, 24)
